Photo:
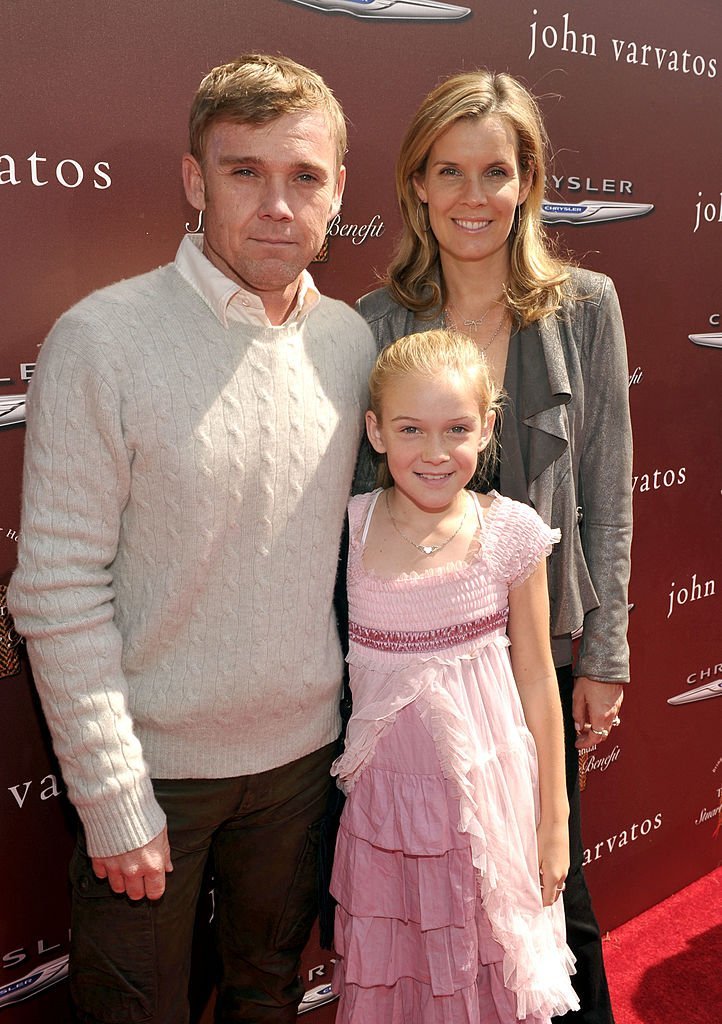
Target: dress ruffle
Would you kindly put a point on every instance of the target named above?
(486, 1001)
(437, 844)
(411, 833)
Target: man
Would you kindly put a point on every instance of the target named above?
(192, 434)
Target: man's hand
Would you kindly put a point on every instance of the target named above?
(139, 872)
(595, 706)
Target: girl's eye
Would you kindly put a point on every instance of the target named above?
(459, 428)
(408, 430)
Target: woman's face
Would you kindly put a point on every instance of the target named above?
(472, 185)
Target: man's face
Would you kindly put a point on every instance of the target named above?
(267, 192)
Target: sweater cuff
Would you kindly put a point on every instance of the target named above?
(126, 821)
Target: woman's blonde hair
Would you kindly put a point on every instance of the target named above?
(427, 355)
(538, 276)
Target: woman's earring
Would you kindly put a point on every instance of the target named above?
(423, 228)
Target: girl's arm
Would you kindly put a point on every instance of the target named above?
(537, 684)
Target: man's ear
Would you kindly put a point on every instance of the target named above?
(338, 193)
(373, 432)
(193, 182)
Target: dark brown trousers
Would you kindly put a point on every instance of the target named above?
(130, 961)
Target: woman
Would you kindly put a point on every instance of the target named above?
(473, 256)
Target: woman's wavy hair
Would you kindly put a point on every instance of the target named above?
(427, 355)
(538, 275)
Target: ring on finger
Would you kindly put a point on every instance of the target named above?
(616, 721)
(600, 732)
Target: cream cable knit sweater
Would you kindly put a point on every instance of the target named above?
(184, 491)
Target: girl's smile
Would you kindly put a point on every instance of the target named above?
(431, 430)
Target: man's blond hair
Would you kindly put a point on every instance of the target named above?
(257, 88)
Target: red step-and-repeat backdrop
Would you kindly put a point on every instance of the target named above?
(95, 100)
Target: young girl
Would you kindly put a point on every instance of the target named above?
(452, 848)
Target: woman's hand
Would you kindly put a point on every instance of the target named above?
(553, 844)
(595, 706)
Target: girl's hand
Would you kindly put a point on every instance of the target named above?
(553, 843)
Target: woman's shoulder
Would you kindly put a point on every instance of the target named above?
(386, 317)
(587, 286)
(378, 304)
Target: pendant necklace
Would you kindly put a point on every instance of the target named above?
(450, 320)
(425, 549)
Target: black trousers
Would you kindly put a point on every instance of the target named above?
(583, 936)
(130, 961)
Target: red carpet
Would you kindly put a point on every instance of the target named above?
(665, 966)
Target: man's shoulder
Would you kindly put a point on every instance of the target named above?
(340, 314)
(130, 293)
(337, 308)
(110, 323)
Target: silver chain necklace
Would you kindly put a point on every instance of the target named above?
(425, 549)
(450, 320)
(469, 323)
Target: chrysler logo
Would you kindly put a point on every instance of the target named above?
(12, 410)
(712, 340)
(391, 10)
(699, 693)
(34, 982)
(592, 211)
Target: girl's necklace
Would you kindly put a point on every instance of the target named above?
(451, 321)
(425, 549)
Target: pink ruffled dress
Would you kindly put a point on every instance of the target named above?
(439, 917)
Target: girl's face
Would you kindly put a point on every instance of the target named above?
(472, 185)
(431, 431)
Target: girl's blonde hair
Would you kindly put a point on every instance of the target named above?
(427, 355)
(538, 276)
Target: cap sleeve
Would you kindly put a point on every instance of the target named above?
(523, 539)
(358, 510)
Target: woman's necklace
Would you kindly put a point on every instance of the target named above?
(468, 323)
(451, 321)
(425, 549)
